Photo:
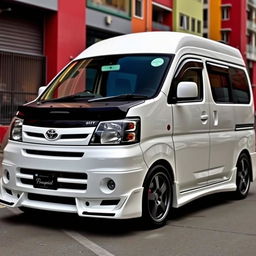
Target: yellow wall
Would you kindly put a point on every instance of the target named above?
(191, 8)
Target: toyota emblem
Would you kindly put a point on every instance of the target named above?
(51, 134)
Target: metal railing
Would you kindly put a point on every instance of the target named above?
(251, 52)
(251, 25)
(20, 77)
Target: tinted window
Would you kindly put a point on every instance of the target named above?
(240, 86)
(109, 76)
(189, 72)
(220, 85)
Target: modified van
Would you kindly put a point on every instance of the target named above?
(134, 126)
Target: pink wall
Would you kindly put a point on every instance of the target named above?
(3, 136)
(64, 35)
(167, 3)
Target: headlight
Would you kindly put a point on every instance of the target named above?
(16, 129)
(118, 132)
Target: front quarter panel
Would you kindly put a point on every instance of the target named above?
(156, 130)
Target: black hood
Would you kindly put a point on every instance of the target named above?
(73, 114)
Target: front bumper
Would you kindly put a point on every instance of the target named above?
(88, 196)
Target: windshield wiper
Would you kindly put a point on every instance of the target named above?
(70, 97)
(121, 97)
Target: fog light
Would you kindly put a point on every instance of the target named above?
(111, 184)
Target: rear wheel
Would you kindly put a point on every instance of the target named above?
(243, 177)
(157, 197)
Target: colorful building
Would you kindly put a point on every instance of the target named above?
(107, 18)
(188, 16)
(212, 19)
(37, 38)
(234, 23)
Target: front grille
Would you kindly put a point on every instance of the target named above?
(54, 153)
(52, 199)
(63, 136)
(65, 180)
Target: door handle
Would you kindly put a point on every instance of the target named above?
(204, 117)
(215, 118)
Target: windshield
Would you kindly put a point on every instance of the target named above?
(109, 77)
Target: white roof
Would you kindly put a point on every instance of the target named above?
(161, 43)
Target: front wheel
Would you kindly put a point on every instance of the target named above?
(157, 197)
(243, 177)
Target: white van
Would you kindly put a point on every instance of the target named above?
(132, 127)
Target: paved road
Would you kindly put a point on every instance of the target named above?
(213, 226)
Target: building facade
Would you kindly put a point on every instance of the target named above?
(234, 23)
(188, 16)
(212, 19)
(37, 39)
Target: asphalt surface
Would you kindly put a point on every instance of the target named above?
(213, 226)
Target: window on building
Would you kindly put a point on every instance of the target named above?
(193, 25)
(225, 36)
(138, 12)
(225, 12)
(205, 18)
(118, 7)
(199, 29)
(184, 21)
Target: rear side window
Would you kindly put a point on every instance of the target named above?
(240, 86)
(228, 84)
(220, 85)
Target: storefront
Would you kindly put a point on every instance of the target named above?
(22, 63)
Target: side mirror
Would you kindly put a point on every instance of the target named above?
(41, 90)
(187, 90)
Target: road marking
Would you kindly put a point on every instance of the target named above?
(14, 210)
(88, 244)
(2, 206)
(78, 237)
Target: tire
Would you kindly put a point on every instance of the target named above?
(157, 197)
(243, 177)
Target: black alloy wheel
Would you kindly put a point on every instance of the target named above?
(243, 177)
(157, 197)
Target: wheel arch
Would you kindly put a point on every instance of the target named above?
(246, 151)
(167, 165)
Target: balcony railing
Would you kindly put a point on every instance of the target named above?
(251, 25)
(252, 2)
(251, 52)
(160, 27)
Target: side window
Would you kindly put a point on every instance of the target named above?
(220, 83)
(240, 86)
(188, 72)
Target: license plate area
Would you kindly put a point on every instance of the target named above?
(45, 181)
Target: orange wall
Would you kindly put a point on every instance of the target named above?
(144, 23)
(215, 20)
